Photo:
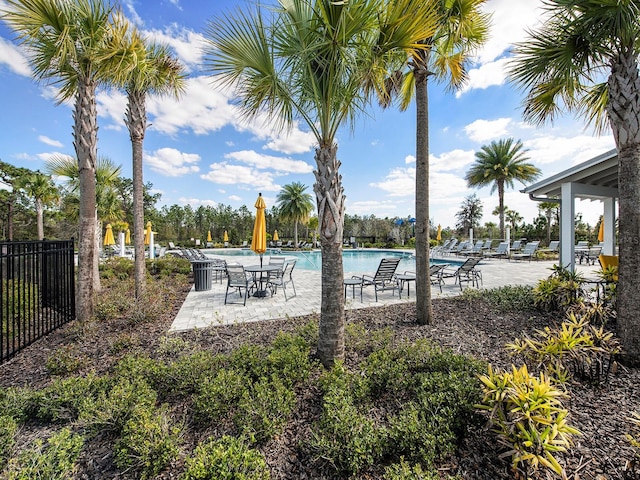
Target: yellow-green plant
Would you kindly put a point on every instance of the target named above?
(526, 412)
(575, 349)
(634, 436)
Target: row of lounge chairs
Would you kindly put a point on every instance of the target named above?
(385, 277)
(482, 248)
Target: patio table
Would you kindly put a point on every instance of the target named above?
(260, 279)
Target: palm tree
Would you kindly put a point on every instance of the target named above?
(559, 66)
(78, 45)
(500, 164)
(461, 29)
(107, 205)
(295, 205)
(319, 61)
(43, 191)
(157, 72)
(551, 210)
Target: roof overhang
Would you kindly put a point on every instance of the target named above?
(597, 178)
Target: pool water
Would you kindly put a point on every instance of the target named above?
(354, 261)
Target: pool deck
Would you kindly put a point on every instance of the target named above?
(206, 308)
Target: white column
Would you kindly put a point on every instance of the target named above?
(152, 253)
(508, 238)
(567, 226)
(471, 235)
(121, 243)
(609, 247)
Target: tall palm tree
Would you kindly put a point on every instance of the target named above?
(461, 29)
(295, 205)
(156, 72)
(559, 66)
(43, 191)
(500, 164)
(78, 45)
(319, 61)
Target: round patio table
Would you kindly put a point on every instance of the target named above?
(402, 279)
(258, 280)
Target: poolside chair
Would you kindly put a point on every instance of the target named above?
(528, 251)
(474, 250)
(466, 272)
(451, 248)
(553, 247)
(384, 278)
(238, 279)
(516, 246)
(501, 251)
(283, 280)
(435, 274)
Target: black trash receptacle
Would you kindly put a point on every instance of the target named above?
(202, 272)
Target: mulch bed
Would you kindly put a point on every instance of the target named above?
(470, 328)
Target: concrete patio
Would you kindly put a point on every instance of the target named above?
(206, 308)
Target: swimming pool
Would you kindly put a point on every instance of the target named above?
(354, 261)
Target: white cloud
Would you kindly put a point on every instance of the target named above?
(197, 201)
(549, 149)
(486, 75)
(369, 207)
(409, 159)
(12, 56)
(171, 162)
(263, 162)
(399, 182)
(48, 141)
(452, 160)
(509, 19)
(294, 141)
(226, 174)
(484, 130)
(235, 198)
(186, 44)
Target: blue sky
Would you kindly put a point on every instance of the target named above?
(197, 151)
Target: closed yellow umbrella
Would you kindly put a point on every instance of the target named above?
(259, 239)
(108, 236)
(439, 234)
(127, 237)
(209, 236)
(601, 232)
(147, 233)
(275, 236)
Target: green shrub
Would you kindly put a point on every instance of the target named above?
(56, 461)
(527, 414)
(169, 266)
(364, 341)
(559, 291)
(217, 396)
(61, 401)
(20, 305)
(17, 403)
(116, 268)
(508, 298)
(226, 458)
(8, 429)
(264, 409)
(65, 360)
(575, 349)
(633, 437)
(345, 437)
(405, 471)
(111, 409)
(149, 443)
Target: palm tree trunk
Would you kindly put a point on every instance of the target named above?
(40, 219)
(624, 112)
(424, 313)
(85, 134)
(295, 234)
(330, 200)
(501, 207)
(136, 121)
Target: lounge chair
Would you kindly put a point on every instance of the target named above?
(474, 250)
(238, 279)
(516, 246)
(553, 247)
(501, 251)
(528, 251)
(451, 248)
(384, 278)
(282, 280)
(466, 272)
(487, 245)
(590, 255)
(439, 249)
(435, 274)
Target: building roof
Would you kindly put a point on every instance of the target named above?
(600, 171)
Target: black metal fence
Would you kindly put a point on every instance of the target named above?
(37, 294)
